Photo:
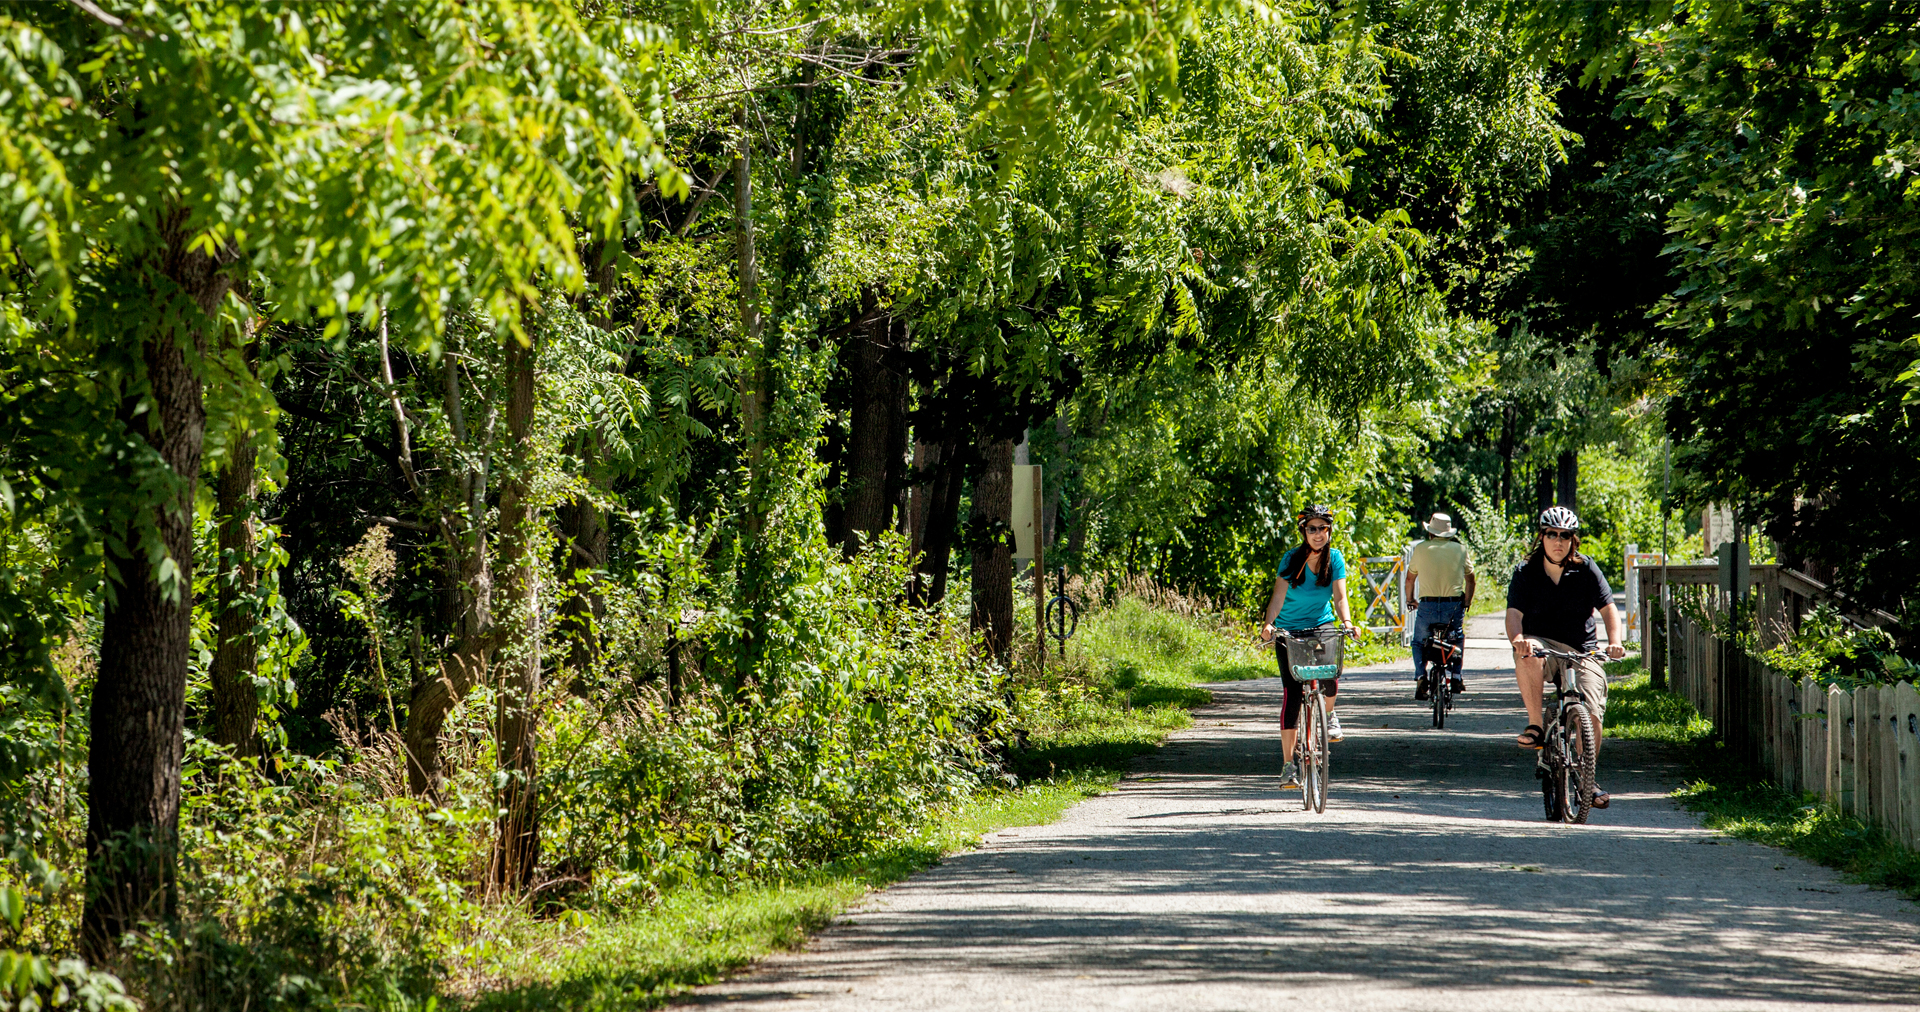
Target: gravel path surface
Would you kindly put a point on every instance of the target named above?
(1431, 882)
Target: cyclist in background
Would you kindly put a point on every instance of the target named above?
(1440, 585)
(1552, 600)
(1308, 593)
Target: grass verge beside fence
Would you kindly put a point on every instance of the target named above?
(1129, 679)
(1733, 800)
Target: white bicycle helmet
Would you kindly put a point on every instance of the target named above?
(1559, 518)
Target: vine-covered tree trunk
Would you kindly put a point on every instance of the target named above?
(517, 847)
(756, 398)
(137, 721)
(991, 530)
(584, 540)
(236, 704)
(583, 524)
(464, 531)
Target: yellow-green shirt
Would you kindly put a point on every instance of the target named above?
(1440, 567)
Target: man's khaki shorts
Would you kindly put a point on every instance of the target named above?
(1590, 677)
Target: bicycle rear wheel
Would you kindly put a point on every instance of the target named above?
(1580, 738)
(1441, 692)
(1317, 744)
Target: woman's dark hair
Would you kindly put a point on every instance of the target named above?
(1540, 550)
(1293, 568)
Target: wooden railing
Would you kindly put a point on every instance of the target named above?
(1858, 750)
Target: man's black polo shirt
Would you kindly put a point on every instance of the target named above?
(1561, 611)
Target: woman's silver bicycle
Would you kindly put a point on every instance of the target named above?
(1314, 654)
(1566, 764)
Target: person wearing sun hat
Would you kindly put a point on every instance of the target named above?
(1440, 584)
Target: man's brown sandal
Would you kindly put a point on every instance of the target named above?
(1534, 737)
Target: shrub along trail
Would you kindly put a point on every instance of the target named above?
(1430, 883)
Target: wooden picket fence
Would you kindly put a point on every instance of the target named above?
(1858, 750)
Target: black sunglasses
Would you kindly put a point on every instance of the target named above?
(1558, 535)
(1317, 528)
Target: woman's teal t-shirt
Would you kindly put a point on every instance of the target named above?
(1310, 604)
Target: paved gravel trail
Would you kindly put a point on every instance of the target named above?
(1431, 882)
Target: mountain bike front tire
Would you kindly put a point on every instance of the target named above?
(1581, 734)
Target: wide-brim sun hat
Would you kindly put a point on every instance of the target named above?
(1440, 525)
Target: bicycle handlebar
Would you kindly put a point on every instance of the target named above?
(1284, 635)
(1567, 655)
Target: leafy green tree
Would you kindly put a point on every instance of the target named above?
(315, 146)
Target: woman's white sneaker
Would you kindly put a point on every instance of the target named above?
(1290, 776)
(1333, 728)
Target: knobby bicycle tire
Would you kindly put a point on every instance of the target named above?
(1580, 761)
(1321, 753)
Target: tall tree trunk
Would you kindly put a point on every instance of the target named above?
(942, 516)
(236, 703)
(464, 531)
(992, 531)
(517, 847)
(1542, 488)
(756, 396)
(876, 445)
(920, 495)
(1567, 480)
(138, 716)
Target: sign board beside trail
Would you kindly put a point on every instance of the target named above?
(1026, 510)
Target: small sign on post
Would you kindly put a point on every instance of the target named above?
(1735, 573)
(1028, 535)
(1026, 513)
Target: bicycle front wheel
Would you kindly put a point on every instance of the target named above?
(1318, 747)
(1581, 735)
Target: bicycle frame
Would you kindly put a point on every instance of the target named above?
(1311, 746)
(1443, 652)
(1566, 774)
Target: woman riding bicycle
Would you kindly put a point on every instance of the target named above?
(1310, 588)
(1551, 602)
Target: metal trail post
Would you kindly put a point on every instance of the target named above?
(1659, 677)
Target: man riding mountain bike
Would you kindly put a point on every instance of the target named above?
(1440, 585)
(1551, 602)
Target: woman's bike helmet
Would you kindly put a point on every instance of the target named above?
(1314, 512)
(1559, 518)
